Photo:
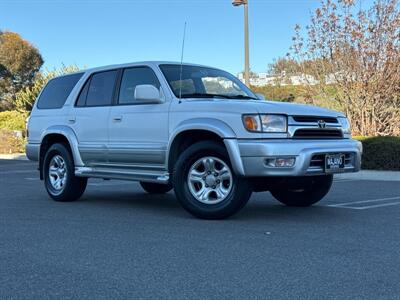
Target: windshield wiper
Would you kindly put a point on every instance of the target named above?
(204, 95)
(241, 97)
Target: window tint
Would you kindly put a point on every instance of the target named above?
(82, 96)
(101, 89)
(57, 91)
(133, 77)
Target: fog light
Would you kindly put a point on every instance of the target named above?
(280, 162)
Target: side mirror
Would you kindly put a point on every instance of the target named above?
(260, 96)
(147, 93)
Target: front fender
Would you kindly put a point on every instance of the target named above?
(209, 124)
(69, 134)
(220, 128)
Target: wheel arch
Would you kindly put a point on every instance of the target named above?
(59, 134)
(195, 130)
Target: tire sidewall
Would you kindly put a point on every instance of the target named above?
(219, 210)
(155, 188)
(318, 189)
(58, 149)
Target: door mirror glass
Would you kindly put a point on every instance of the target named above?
(147, 93)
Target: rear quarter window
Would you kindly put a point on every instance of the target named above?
(57, 90)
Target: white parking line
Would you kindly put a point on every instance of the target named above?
(344, 180)
(350, 205)
(376, 206)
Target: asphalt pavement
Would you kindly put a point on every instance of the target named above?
(118, 242)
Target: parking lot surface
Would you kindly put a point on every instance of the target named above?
(119, 242)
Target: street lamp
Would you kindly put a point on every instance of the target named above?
(246, 39)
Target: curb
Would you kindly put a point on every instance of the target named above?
(371, 175)
(16, 156)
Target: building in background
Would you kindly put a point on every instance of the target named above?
(262, 79)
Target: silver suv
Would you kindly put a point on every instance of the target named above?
(192, 128)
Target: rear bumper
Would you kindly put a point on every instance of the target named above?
(307, 154)
(32, 151)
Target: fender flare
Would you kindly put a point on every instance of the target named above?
(220, 128)
(69, 134)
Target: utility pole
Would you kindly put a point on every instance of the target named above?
(246, 39)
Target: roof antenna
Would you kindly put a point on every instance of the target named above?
(180, 74)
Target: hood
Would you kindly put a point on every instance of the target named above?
(260, 106)
(276, 107)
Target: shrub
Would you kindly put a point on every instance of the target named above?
(13, 120)
(286, 93)
(381, 153)
(11, 144)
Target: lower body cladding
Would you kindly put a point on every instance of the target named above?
(291, 157)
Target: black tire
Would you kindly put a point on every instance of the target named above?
(234, 201)
(304, 191)
(74, 187)
(155, 188)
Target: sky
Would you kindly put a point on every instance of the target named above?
(92, 33)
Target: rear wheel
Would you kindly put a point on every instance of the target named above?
(155, 188)
(304, 191)
(59, 175)
(205, 184)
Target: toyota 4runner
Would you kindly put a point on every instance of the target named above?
(195, 129)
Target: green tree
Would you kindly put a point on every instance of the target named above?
(20, 61)
(26, 97)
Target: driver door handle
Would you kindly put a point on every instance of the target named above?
(117, 119)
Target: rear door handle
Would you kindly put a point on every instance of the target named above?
(117, 119)
(72, 120)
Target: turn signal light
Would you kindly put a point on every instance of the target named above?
(252, 122)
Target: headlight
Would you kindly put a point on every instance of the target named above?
(345, 125)
(274, 123)
(265, 123)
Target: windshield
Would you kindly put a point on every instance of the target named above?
(202, 82)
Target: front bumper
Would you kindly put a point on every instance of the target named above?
(309, 155)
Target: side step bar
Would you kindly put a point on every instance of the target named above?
(123, 174)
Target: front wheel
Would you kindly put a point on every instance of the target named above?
(304, 191)
(205, 184)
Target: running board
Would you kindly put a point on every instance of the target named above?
(123, 174)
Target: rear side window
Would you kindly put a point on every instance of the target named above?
(83, 94)
(101, 89)
(133, 77)
(57, 91)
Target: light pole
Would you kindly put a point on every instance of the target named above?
(246, 39)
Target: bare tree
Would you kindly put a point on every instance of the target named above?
(356, 51)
